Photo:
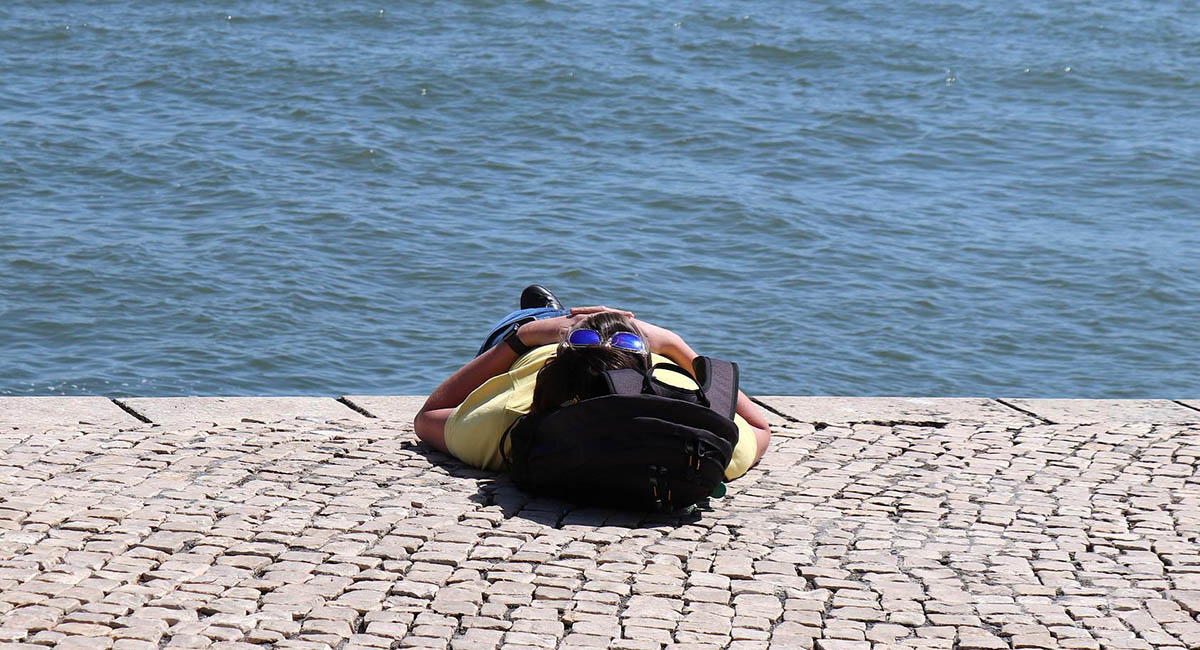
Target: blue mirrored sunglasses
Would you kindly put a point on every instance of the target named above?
(588, 338)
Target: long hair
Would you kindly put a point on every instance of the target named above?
(578, 373)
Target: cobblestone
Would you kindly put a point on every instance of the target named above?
(348, 534)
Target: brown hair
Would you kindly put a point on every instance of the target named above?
(578, 373)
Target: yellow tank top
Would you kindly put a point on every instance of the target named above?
(474, 430)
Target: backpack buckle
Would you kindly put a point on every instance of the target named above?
(692, 449)
(661, 494)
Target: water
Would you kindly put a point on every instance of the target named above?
(861, 198)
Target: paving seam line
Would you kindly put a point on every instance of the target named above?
(355, 407)
(1025, 411)
(1185, 404)
(129, 409)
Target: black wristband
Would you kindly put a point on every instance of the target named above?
(516, 343)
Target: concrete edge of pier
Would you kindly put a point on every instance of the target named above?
(36, 412)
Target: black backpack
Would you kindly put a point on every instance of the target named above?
(644, 445)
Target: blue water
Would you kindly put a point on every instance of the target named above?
(860, 198)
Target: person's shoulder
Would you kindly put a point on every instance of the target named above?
(534, 359)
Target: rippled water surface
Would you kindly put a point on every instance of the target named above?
(926, 198)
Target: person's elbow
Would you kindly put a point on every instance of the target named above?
(430, 427)
(762, 439)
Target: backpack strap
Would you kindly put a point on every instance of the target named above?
(631, 381)
(504, 453)
(663, 388)
(717, 379)
(626, 381)
(719, 382)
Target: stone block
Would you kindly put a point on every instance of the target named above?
(401, 408)
(227, 410)
(45, 412)
(1091, 411)
(894, 409)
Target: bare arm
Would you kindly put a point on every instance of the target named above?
(672, 346)
(430, 422)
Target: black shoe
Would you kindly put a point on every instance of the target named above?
(535, 295)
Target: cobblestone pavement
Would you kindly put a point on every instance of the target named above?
(346, 534)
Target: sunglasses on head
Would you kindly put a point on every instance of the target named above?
(589, 338)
